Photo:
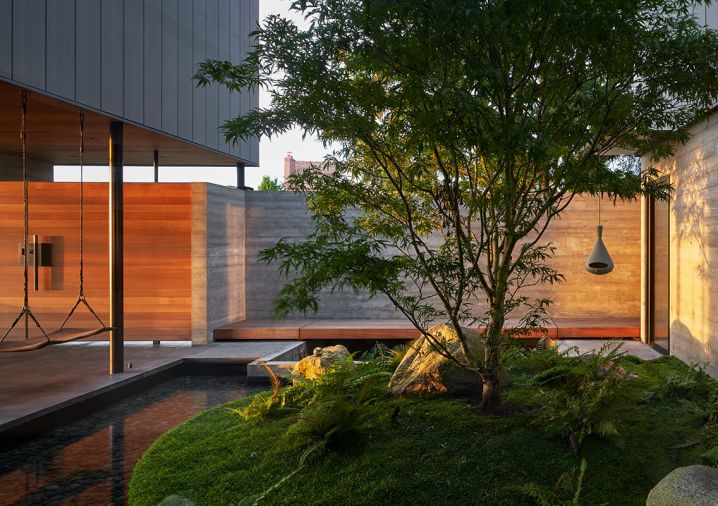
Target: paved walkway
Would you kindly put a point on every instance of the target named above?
(635, 348)
(37, 382)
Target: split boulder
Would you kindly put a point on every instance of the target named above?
(321, 360)
(424, 370)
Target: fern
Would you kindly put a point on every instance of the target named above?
(262, 405)
(553, 375)
(565, 492)
(605, 428)
(579, 398)
(383, 355)
(711, 456)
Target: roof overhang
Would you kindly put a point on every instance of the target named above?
(53, 135)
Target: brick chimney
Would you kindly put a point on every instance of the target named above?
(289, 166)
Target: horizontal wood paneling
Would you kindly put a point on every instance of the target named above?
(157, 255)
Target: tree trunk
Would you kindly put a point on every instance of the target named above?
(491, 393)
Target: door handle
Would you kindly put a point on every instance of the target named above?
(35, 263)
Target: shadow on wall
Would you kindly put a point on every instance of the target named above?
(690, 209)
(692, 281)
(690, 350)
(56, 280)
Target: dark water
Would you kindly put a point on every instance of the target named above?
(90, 461)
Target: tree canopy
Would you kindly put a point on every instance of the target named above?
(269, 184)
(464, 127)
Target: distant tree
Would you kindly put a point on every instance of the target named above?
(472, 121)
(269, 184)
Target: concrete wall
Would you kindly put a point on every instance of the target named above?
(616, 294)
(269, 217)
(134, 60)
(273, 215)
(218, 258)
(694, 247)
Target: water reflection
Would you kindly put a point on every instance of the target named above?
(90, 461)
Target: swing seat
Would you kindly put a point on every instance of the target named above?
(57, 337)
(34, 343)
(61, 336)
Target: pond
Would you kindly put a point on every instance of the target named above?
(90, 460)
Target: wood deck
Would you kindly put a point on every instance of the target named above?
(372, 330)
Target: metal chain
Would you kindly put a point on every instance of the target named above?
(81, 297)
(23, 143)
(25, 311)
(82, 203)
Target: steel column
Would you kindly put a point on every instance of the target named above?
(157, 166)
(117, 312)
(240, 175)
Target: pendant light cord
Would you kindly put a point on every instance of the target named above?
(599, 210)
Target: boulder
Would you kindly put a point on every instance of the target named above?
(686, 486)
(424, 370)
(320, 361)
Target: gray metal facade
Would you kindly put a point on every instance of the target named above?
(134, 60)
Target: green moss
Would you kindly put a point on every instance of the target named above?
(438, 451)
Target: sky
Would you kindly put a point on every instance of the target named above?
(271, 151)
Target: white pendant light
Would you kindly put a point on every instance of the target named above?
(599, 261)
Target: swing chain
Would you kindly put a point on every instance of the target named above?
(81, 296)
(82, 203)
(25, 311)
(25, 196)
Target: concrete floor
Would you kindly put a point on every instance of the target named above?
(635, 348)
(37, 382)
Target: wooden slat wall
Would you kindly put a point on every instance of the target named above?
(157, 255)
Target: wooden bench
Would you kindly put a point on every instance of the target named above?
(400, 330)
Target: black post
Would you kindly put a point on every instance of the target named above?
(157, 166)
(240, 175)
(116, 251)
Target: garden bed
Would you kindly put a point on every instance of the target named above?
(438, 450)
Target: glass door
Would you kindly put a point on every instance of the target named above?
(659, 273)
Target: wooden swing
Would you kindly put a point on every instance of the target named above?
(62, 335)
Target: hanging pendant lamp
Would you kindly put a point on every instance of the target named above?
(599, 261)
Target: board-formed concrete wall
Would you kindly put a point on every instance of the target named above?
(274, 215)
(694, 247)
(271, 216)
(218, 258)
